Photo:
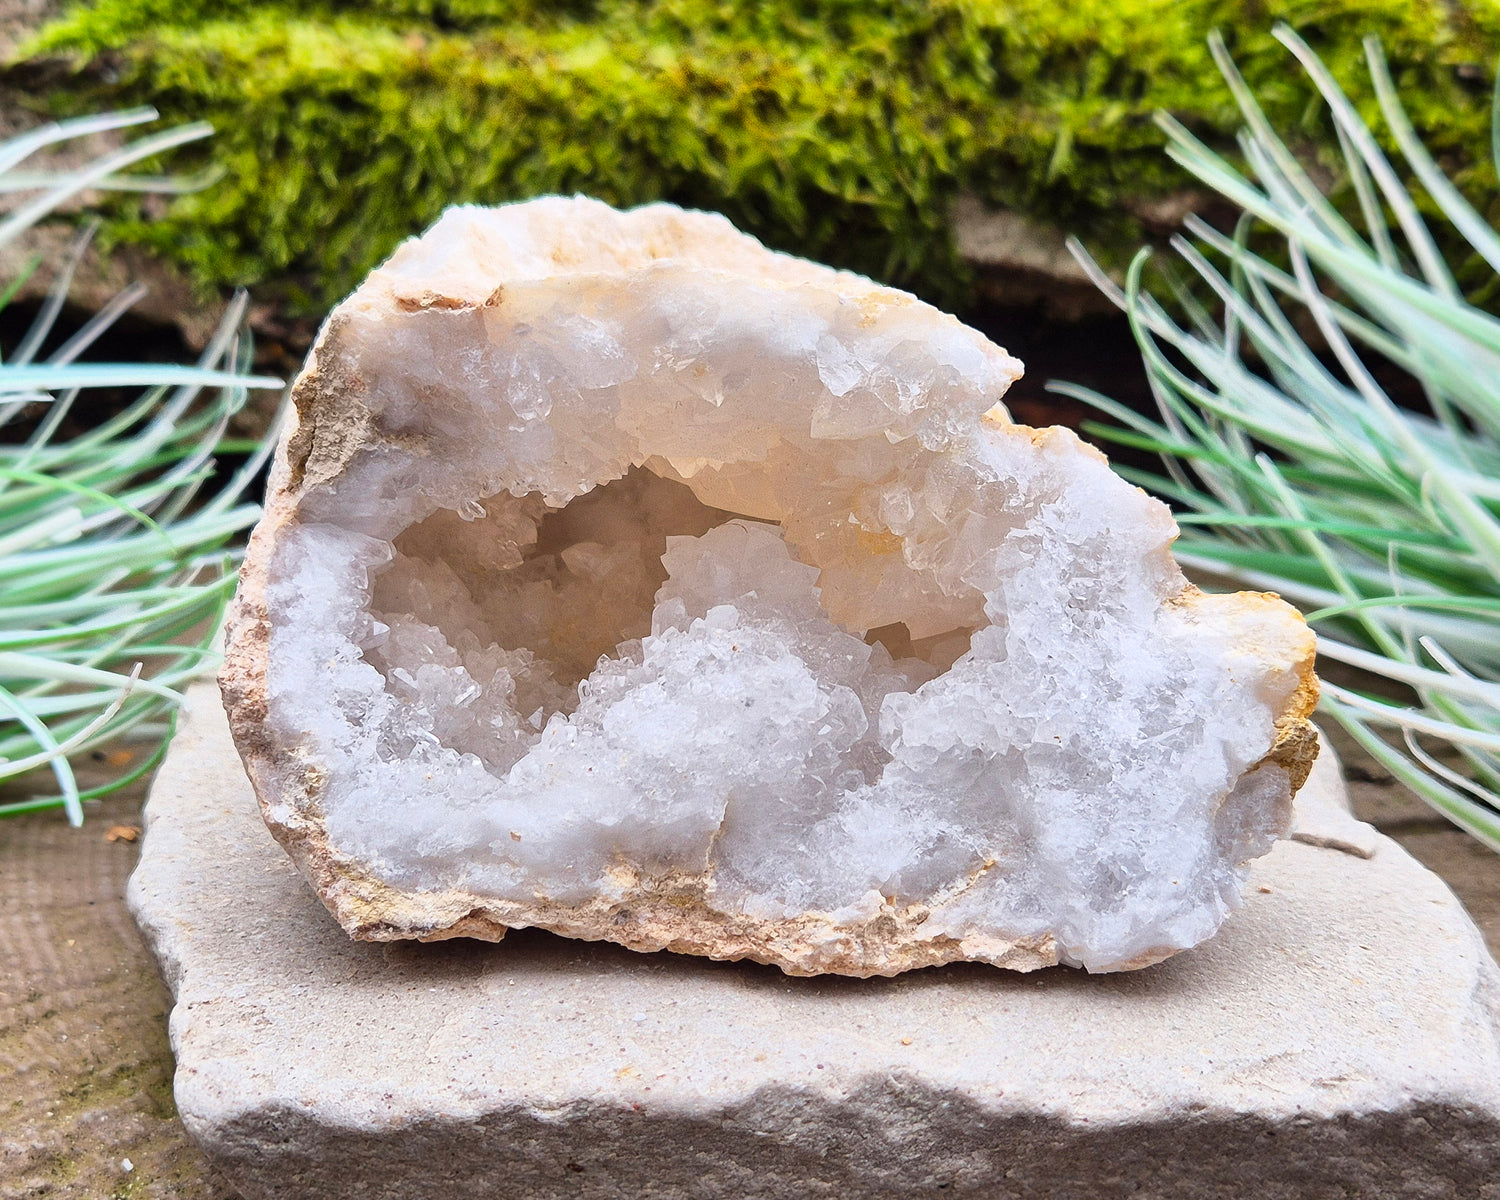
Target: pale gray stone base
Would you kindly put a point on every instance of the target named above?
(1339, 1038)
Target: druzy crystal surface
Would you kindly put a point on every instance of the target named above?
(624, 578)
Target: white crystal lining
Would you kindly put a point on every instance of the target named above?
(1080, 768)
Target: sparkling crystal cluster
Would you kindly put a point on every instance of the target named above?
(624, 578)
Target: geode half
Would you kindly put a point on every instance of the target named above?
(624, 578)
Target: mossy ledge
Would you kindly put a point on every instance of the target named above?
(838, 129)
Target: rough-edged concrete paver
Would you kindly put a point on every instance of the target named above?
(117, 999)
(1337, 1038)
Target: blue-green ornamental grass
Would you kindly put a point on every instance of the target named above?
(116, 545)
(1296, 471)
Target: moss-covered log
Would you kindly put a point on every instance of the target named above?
(840, 129)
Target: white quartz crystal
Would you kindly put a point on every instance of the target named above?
(625, 578)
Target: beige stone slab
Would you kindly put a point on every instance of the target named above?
(1337, 1038)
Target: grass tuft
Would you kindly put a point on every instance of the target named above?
(116, 544)
(1294, 469)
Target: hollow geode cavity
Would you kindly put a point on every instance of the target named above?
(624, 578)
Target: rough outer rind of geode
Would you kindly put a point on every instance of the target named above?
(623, 578)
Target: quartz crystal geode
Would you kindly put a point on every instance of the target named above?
(624, 578)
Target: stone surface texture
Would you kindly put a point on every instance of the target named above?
(1338, 1038)
(624, 578)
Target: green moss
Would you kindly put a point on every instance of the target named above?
(841, 129)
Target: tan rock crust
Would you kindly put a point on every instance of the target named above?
(335, 428)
